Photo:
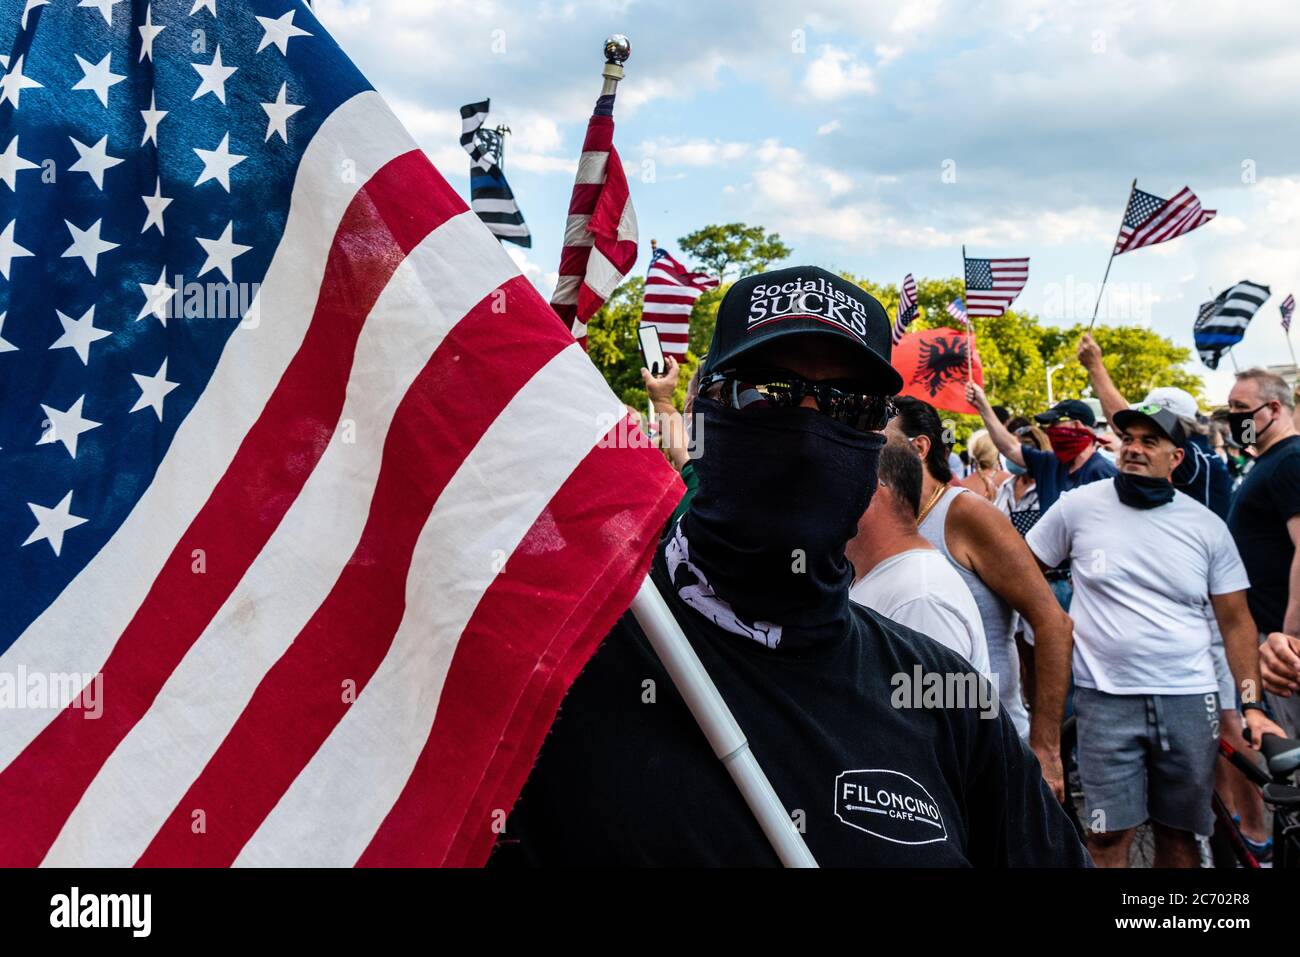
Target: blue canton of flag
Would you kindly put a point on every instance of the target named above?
(979, 274)
(1140, 208)
(148, 153)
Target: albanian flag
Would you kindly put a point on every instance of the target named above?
(933, 366)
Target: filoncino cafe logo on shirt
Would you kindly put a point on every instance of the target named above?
(809, 299)
(889, 805)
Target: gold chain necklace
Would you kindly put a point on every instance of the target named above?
(934, 499)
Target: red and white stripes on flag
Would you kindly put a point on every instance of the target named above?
(401, 578)
(670, 294)
(1148, 219)
(600, 234)
(1288, 308)
(993, 284)
(907, 309)
(957, 309)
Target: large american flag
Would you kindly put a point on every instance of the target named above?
(1288, 309)
(993, 284)
(329, 577)
(1148, 219)
(600, 234)
(907, 309)
(670, 294)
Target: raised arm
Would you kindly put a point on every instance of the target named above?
(994, 550)
(672, 430)
(1007, 443)
(1102, 387)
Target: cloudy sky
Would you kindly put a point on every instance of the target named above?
(879, 138)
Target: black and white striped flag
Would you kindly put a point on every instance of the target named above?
(490, 195)
(1221, 323)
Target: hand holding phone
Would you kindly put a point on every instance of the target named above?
(652, 352)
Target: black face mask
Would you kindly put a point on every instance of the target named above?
(1143, 491)
(1237, 424)
(780, 495)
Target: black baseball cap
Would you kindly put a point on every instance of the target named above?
(805, 301)
(1068, 409)
(1159, 416)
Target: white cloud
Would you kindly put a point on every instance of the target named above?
(830, 127)
(835, 74)
(672, 151)
(807, 199)
(916, 15)
(545, 282)
(537, 163)
(886, 53)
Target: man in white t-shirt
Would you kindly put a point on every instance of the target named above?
(1150, 568)
(901, 575)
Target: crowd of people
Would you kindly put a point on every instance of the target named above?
(1132, 564)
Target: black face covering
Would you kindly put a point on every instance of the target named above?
(1143, 491)
(1237, 426)
(762, 545)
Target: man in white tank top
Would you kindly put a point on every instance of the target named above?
(1002, 576)
(901, 575)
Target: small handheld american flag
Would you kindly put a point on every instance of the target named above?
(1148, 219)
(993, 284)
(907, 309)
(1287, 309)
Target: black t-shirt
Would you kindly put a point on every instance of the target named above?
(621, 781)
(1269, 495)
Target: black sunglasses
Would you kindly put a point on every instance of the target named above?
(839, 399)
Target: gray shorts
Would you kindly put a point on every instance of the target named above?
(1147, 757)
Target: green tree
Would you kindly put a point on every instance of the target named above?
(1137, 359)
(732, 250)
(728, 251)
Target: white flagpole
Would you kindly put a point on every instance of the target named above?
(718, 724)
